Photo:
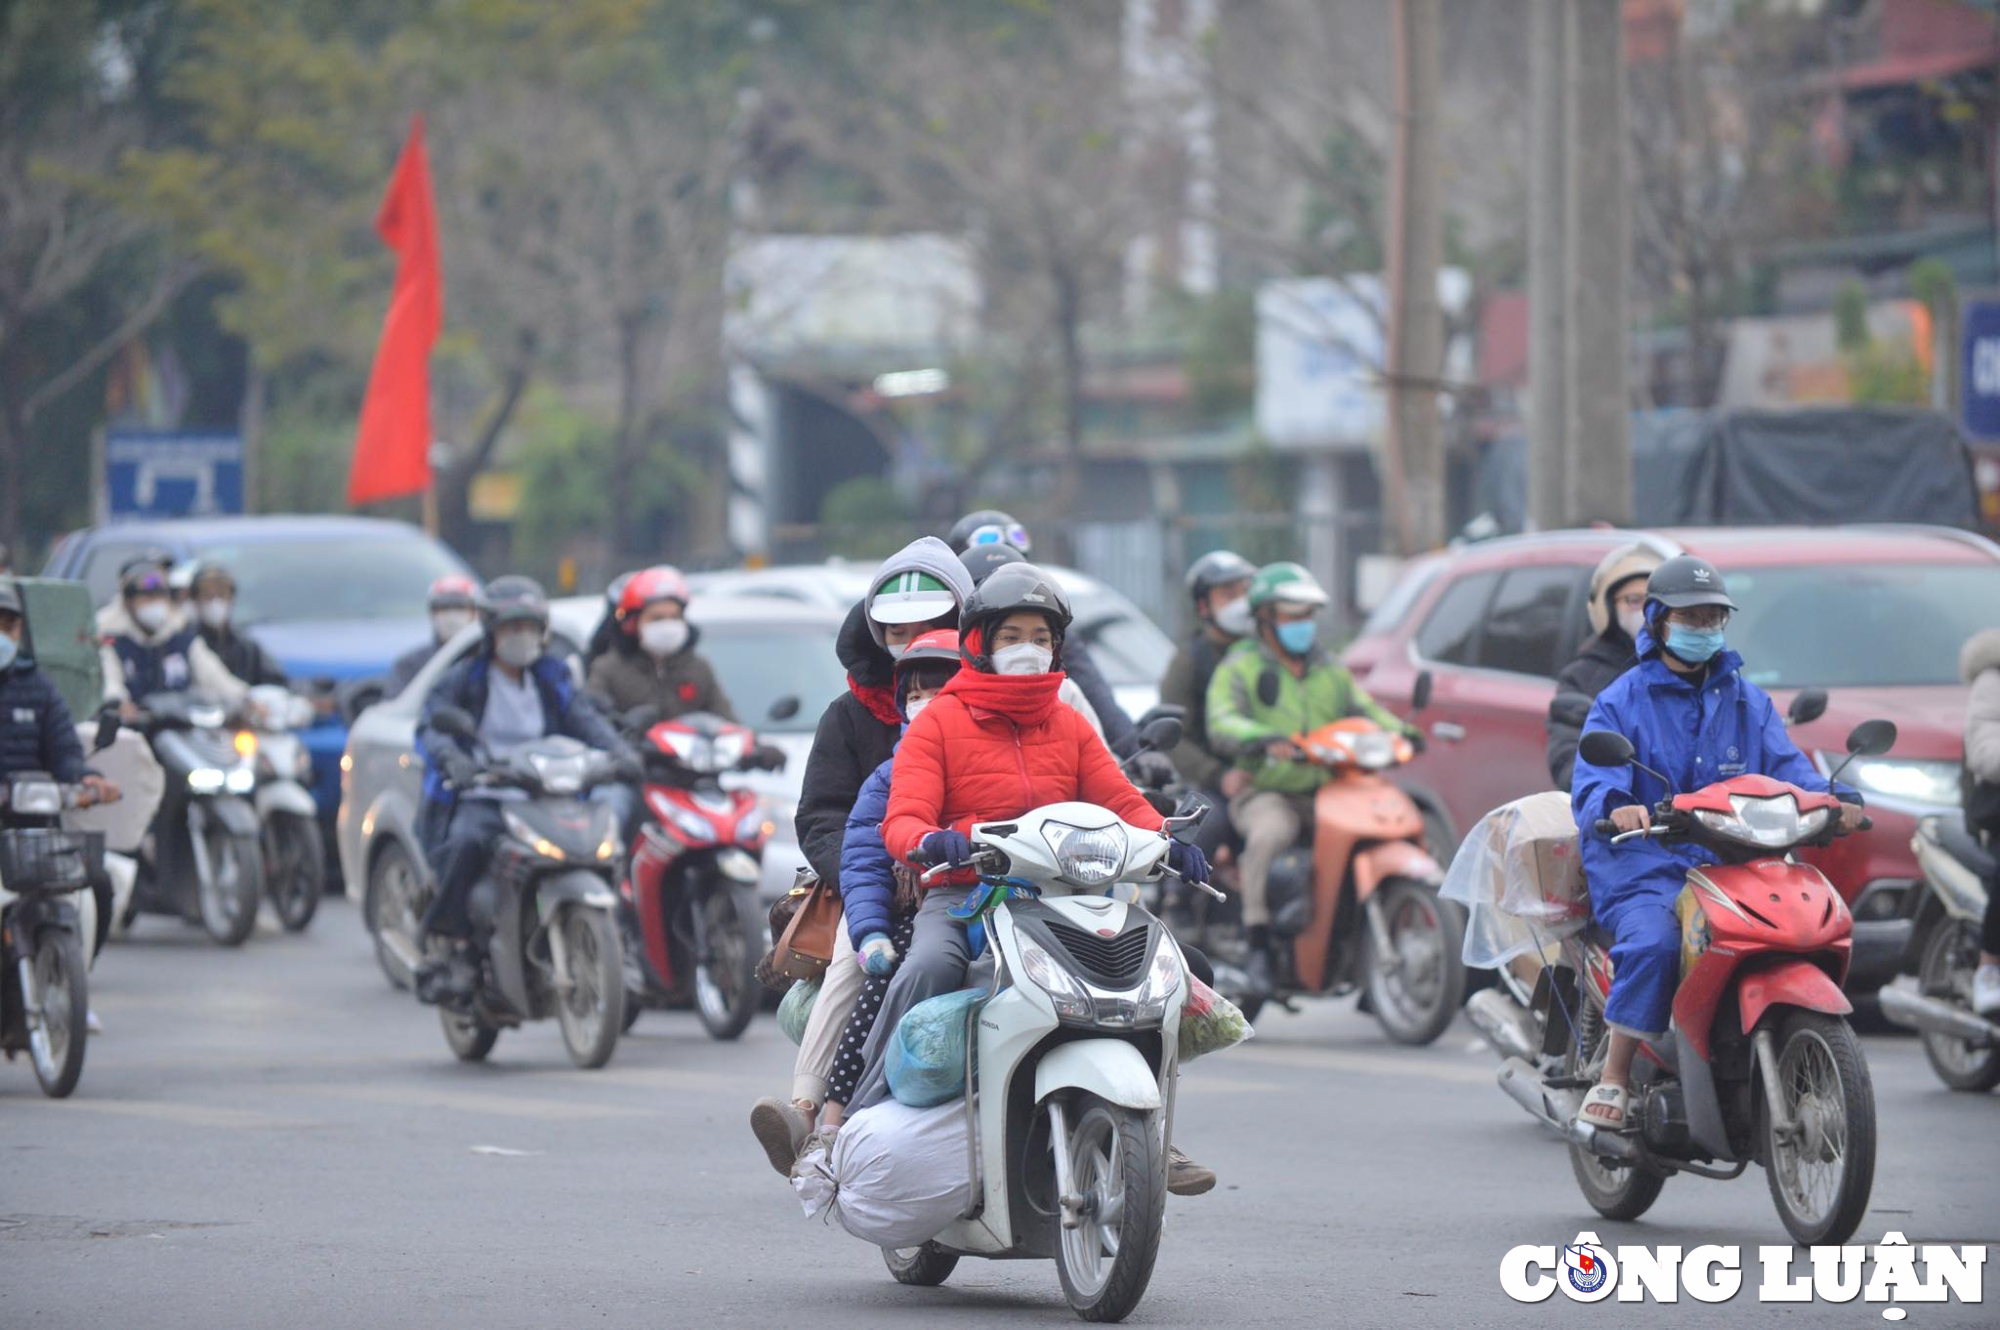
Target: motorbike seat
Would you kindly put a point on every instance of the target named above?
(1958, 842)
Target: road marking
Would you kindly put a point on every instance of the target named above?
(498, 1101)
(188, 1115)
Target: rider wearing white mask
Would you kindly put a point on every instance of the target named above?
(1617, 609)
(1218, 585)
(149, 647)
(214, 597)
(454, 602)
(655, 664)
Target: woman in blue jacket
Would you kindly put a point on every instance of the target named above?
(1694, 718)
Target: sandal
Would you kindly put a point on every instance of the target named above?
(1604, 1097)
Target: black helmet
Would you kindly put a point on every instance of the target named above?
(209, 570)
(1011, 589)
(144, 572)
(1217, 568)
(1684, 581)
(514, 599)
(1005, 531)
(981, 560)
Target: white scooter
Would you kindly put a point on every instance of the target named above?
(1072, 1067)
(294, 850)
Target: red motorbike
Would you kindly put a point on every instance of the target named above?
(692, 922)
(1761, 1064)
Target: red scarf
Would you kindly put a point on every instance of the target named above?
(881, 702)
(1025, 699)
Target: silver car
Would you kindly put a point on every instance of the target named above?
(765, 651)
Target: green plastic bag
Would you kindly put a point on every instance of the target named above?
(1210, 1022)
(797, 1008)
(926, 1057)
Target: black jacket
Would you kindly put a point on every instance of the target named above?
(245, 659)
(849, 744)
(1602, 659)
(1081, 667)
(36, 733)
(565, 710)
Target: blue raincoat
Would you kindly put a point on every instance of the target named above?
(1730, 728)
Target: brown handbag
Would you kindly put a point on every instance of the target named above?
(806, 948)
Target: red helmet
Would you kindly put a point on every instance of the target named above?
(456, 591)
(937, 647)
(643, 588)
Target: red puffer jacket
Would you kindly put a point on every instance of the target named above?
(995, 746)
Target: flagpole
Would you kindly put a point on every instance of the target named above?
(431, 509)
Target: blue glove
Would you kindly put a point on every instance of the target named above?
(946, 847)
(1187, 860)
(877, 955)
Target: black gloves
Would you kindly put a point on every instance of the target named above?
(1152, 770)
(1416, 738)
(627, 767)
(766, 757)
(457, 766)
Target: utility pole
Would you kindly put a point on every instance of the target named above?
(1548, 32)
(1416, 324)
(1580, 438)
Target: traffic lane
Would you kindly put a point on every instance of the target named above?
(274, 1136)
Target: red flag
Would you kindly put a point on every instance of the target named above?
(392, 447)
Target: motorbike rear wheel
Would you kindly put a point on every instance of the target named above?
(1950, 955)
(295, 868)
(592, 1012)
(925, 1266)
(1416, 1000)
(1822, 1173)
(731, 934)
(61, 998)
(233, 886)
(1119, 1167)
(1613, 1190)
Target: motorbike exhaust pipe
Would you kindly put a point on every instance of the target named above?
(1555, 1109)
(1913, 1010)
(1503, 1022)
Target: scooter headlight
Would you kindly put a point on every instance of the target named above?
(559, 774)
(206, 780)
(1374, 751)
(1163, 979)
(1086, 856)
(241, 780)
(1071, 1001)
(1765, 823)
(35, 798)
(756, 826)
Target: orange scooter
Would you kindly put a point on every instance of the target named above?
(1361, 908)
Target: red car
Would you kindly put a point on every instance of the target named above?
(1875, 615)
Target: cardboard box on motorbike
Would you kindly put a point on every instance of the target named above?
(1519, 873)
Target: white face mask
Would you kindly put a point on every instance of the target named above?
(663, 637)
(897, 652)
(1632, 623)
(151, 616)
(1234, 618)
(1023, 658)
(447, 623)
(517, 648)
(214, 612)
(915, 709)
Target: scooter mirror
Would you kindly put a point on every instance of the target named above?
(1162, 734)
(1807, 707)
(454, 722)
(1188, 814)
(1420, 694)
(1872, 738)
(1605, 748)
(108, 724)
(784, 708)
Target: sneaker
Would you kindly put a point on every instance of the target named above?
(818, 1142)
(447, 979)
(91, 1024)
(781, 1129)
(1185, 1177)
(1986, 990)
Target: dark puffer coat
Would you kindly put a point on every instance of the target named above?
(852, 740)
(1602, 659)
(36, 733)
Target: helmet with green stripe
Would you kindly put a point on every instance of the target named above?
(1286, 584)
(911, 597)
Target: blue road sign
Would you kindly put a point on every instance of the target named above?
(1980, 369)
(172, 473)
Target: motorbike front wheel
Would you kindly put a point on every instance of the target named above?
(1822, 1170)
(1421, 987)
(1951, 954)
(726, 991)
(470, 1038)
(295, 868)
(394, 905)
(592, 1012)
(55, 991)
(1118, 1168)
(232, 886)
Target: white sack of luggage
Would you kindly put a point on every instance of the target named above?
(1520, 877)
(142, 783)
(896, 1176)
